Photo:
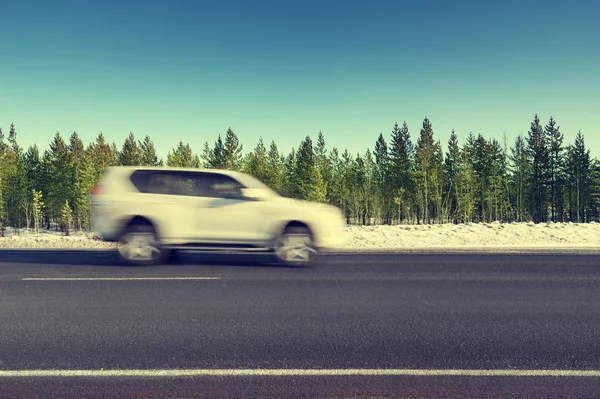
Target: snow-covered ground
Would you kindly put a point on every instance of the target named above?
(51, 239)
(465, 236)
(359, 238)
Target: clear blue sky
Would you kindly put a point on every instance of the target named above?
(187, 70)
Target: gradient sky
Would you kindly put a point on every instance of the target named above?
(187, 70)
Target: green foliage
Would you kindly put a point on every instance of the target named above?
(148, 152)
(308, 181)
(289, 187)
(451, 174)
(428, 170)
(400, 171)
(520, 170)
(257, 162)
(479, 180)
(66, 217)
(323, 167)
(14, 191)
(538, 149)
(60, 175)
(208, 156)
(3, 213)
(275, 169)
(102, 156)
(556, 166)
(183, 157)
(131, 154)
(232, 153)
(37, 206)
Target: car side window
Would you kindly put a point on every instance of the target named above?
(197, 184)
(169, 183)
(223, 186)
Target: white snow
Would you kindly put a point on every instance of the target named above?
(474, 235)
(51, 239)
(447, 236)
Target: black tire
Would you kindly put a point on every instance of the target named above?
(146, 251)
(300, 253)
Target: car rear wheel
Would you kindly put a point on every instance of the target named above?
(295, 246)
(140, 246)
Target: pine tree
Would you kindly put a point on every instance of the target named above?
(15, 184)
(319, 194)
(274, 173)
(257, 162)
(594, 198)
(347, 183)
(451, 170)
(66, 217)
(33, 164)
(497, 199)
(357, 184)
(46, 184)
(219, 156)
(580, 165)
(467, 182)
(538, 148)
(233, 151)
(60, 177)
(369, 187)
(337, 179)
(115, 154)
(3, 213)
(148, 152)
(309, 184)
(102, 156)
(555, 138)
(183, 157)
(382, 177)
(322, 163)
(428, 173)
(400, 170)
(77, 186)
(208, 156)
(481, 165)
(32, 167)
(83, 184)
(131, 154)
(290, 187)
(37, 205)
(520, 172)
(76, 149)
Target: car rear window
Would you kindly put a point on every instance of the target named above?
(140, 179)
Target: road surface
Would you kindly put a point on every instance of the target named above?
(77, 324)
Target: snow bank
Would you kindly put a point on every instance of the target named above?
(51, 239)
(463, 236)
(493, 235)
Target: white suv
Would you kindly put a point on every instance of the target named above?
(152, 211)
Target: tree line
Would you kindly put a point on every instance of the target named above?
(537, 178)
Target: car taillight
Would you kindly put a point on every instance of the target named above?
(98, 190)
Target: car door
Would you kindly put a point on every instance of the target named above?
(224, 214)
(169, 200)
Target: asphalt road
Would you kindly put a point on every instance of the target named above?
(71, 310)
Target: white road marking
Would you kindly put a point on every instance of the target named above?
(298, 373)
(115, 278)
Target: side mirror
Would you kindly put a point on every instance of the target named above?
(256, 194)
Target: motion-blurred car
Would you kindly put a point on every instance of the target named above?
(151, 212)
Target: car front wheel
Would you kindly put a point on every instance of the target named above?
(295, 247)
